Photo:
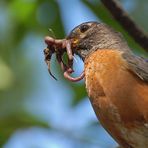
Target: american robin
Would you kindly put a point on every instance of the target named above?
(116, 82)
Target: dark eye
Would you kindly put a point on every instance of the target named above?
(84, 28)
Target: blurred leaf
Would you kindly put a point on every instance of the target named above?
(6, 76)
(51, 8)
(9, 124)
(25, 9)
(79, 93)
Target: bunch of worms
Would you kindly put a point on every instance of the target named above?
(59, 47)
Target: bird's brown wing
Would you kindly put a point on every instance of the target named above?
(138, 65)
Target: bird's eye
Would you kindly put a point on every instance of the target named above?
(84, 28)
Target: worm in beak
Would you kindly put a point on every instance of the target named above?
(58, 47)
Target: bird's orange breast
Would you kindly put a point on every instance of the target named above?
(119, 98)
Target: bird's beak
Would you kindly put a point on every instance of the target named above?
(74, 42)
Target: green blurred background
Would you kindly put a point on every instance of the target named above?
(35, 110)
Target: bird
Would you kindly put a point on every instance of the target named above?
(116, 81)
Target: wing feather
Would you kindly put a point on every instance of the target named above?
(137, 65)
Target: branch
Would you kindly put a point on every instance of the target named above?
(126, 22)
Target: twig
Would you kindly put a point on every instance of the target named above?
(126, 22)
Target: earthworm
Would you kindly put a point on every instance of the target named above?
(59, 46)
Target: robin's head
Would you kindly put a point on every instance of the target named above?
(90, 36)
